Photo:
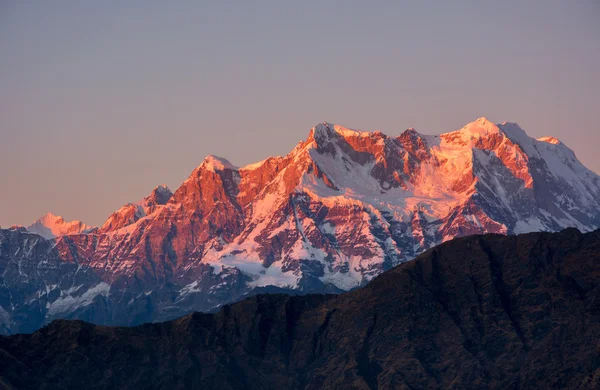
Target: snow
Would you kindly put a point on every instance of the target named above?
(345, 132)
(214, 163)
(529, 225)
(189, 288)
(50, 226)
(69, 303)
(559, 159)
(550, 140)
(249, 263)
(477, 129)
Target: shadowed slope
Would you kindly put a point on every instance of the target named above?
(486, 311)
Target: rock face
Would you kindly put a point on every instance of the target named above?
(486, 312)
(341, 208)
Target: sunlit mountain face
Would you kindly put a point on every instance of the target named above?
(341, 208)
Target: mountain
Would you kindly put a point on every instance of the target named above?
(485, 312)
(50, 226)
(341, 208)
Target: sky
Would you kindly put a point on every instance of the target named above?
(102, 101)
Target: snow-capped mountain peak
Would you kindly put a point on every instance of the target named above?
(339, 209)
(214, 163)
(50, 218)
(481, 127)
(51, 226)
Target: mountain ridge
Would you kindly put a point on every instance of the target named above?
(220, 163)
(341, 208)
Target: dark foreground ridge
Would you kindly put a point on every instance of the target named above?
(486, 311)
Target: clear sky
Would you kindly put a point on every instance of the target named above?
(100, 101)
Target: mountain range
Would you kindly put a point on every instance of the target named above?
(478, 312)
(340, 209)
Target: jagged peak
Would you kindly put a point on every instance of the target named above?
(320, 130)
(161, 188)
(480, 127)
(326, 130)
(483, 128)
(49, 216)
(215, 163)
(160, 194)
(412, 132)
(50, 225)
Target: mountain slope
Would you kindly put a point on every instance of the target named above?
(486, 311)
(341, 208)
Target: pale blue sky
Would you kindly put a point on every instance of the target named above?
(102, 101)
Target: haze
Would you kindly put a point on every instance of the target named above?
(102, 101)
